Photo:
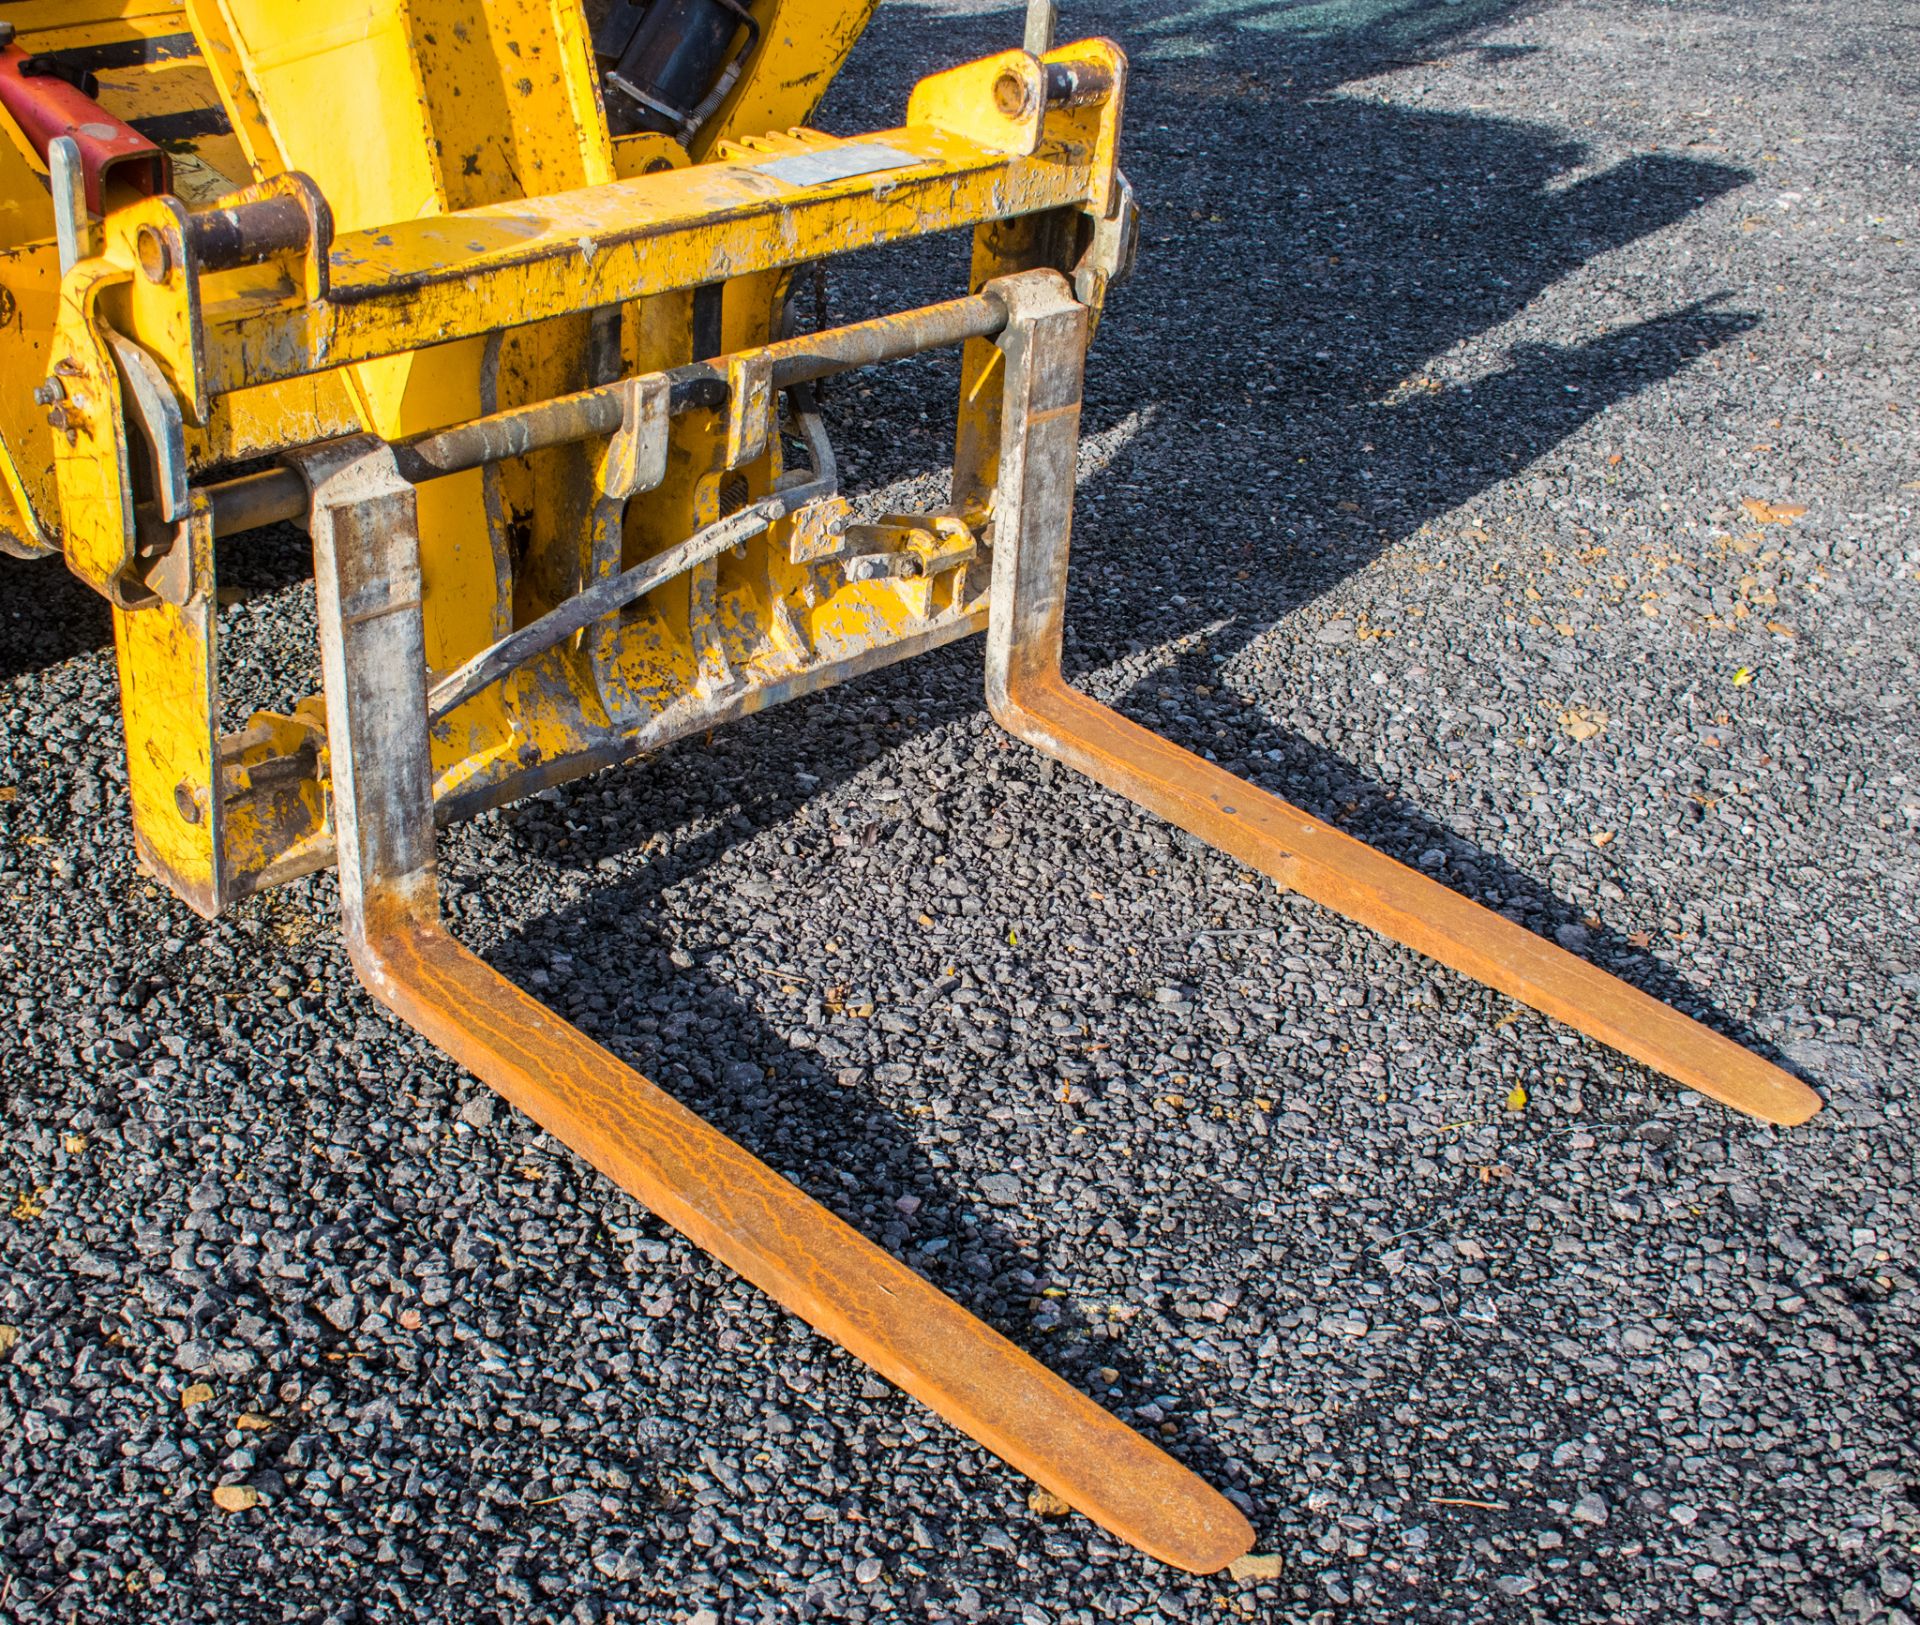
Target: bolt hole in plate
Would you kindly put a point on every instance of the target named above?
(1010, 95)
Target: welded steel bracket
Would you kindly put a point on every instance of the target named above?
(367, 575)
(1044, 343)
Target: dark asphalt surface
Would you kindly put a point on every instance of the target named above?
(1438, 476)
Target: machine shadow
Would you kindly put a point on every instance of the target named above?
(824, 1118)
(1380, 238)
(47, 615)
(831, 1126)
(1386, 237)
(1517, 413)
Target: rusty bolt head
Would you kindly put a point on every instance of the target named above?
(1012, 95)
(50, 392)
(156, 259)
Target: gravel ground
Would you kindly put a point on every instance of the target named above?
(1437, 476)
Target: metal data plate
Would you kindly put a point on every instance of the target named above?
(837, 164)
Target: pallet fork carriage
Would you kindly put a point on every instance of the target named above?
(520, 361)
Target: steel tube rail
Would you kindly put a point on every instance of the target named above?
(278, 495)
(270, 497)
(698, 385)
(604, 597)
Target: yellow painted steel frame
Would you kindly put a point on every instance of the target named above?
(149, 71)
(437, 293)
(168, 65)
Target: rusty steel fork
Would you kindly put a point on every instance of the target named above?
(367, 571)
(1044, 344)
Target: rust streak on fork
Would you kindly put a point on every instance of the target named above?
(1044, 345)
(1351, 878)
(715, 1192)
(732, 1205)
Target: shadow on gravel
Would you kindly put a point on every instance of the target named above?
(812, 1111)
(47, 615)
(1372, 240)
(1306, 254)
(1519, 414)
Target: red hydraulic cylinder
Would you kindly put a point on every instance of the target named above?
(111, 150)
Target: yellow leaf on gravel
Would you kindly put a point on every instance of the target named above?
(1579, 723)
(1773, 513)
(1517, 1098)
(253, 1422)
(9, 1335)
(235, 1497)
(1046, 1503)
(1257, 1566)
(195, 1393)
(1742, 677)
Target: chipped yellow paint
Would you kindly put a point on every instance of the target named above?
(29, 300)
(441, 123)
(996, 103)
(431, 281)
(63, 24)
(481, 216)
(170, 705)
(26, 212)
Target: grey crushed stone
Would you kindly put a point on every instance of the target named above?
(1462, 334)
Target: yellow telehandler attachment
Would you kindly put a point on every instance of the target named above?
(494, 304)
